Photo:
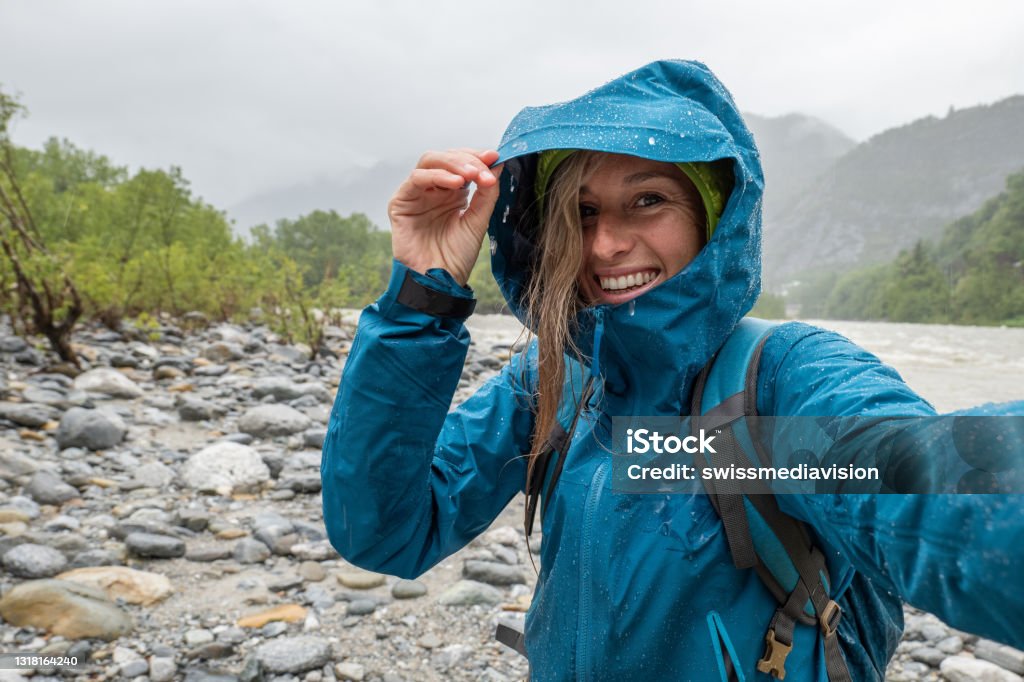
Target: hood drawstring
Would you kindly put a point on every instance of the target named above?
(595, 361)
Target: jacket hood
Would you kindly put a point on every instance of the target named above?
(648, 349)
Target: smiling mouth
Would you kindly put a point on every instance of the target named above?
(626, 283)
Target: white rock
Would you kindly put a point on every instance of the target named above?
(107, 381)
(964, 669)
(349, 671)
(225, 467)
(273, 420)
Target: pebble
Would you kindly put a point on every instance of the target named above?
(294, 654)
(33, 561)
(312, 571)
(358, 579)
(361, 607)
(267, 421)
(92, 429)
(64, 608)
(352, 672)
(1004, 656)
(151, 545)
(493, 573)
(249, 551)
(469, 593)
(964, 669)
(162, 669)
(45, 487)
(134, 668)
(408, 589)
(107, 381)
(224, 468)
(195, 637)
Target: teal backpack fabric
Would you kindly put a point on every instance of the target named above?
(643, 586)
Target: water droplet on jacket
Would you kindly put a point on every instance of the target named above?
(650, 140)
(632, 308)
(504, 218)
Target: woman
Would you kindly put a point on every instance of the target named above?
(636, 264)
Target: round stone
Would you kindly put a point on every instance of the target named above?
(34, 561)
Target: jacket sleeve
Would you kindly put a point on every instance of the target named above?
(960, 557)
(406, 482)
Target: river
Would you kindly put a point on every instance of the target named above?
(953, 367)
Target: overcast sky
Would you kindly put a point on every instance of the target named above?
(248, 95)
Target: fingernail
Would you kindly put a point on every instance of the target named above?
(487, 175)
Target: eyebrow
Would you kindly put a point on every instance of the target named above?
(637, 178)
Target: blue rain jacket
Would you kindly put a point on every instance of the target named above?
(643, 586)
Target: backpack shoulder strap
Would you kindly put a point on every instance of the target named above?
(759, 534)
(576, 390)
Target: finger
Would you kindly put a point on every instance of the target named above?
(481, 206)
(423, 178)
(465, 164)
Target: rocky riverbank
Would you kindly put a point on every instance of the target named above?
(160, 519)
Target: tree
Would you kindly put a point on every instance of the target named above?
(45, 299)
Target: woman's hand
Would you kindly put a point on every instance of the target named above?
(432, 223)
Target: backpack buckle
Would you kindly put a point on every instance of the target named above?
(829, 618)
(774, 660)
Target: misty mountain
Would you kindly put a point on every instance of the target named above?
(898, 187)
(794, 149)
(357, 190)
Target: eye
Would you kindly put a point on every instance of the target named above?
(587, 213)
(648, 200)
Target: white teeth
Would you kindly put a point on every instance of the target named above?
(626, 281)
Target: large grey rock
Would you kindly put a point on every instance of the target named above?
(107, 381)
(192, 409)
(273, 420)
(493, 573)
(154, 546)
(225, 467)
(470, 592)
(32, 415)
(12, 344)
(33, 561)
(92, 429)
(284, 389)
(294, 654)
(64, 608)
(46, 487)
(964, 669)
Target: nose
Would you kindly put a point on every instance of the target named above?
(609, 238)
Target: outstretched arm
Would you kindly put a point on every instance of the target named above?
(960, 557)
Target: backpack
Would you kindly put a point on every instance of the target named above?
(760, 536)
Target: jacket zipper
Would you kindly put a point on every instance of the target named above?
(586, 586)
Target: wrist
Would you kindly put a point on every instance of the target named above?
(435, 292)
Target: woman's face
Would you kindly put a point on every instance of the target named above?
(641, 226)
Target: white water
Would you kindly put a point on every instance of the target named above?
(953, 367)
